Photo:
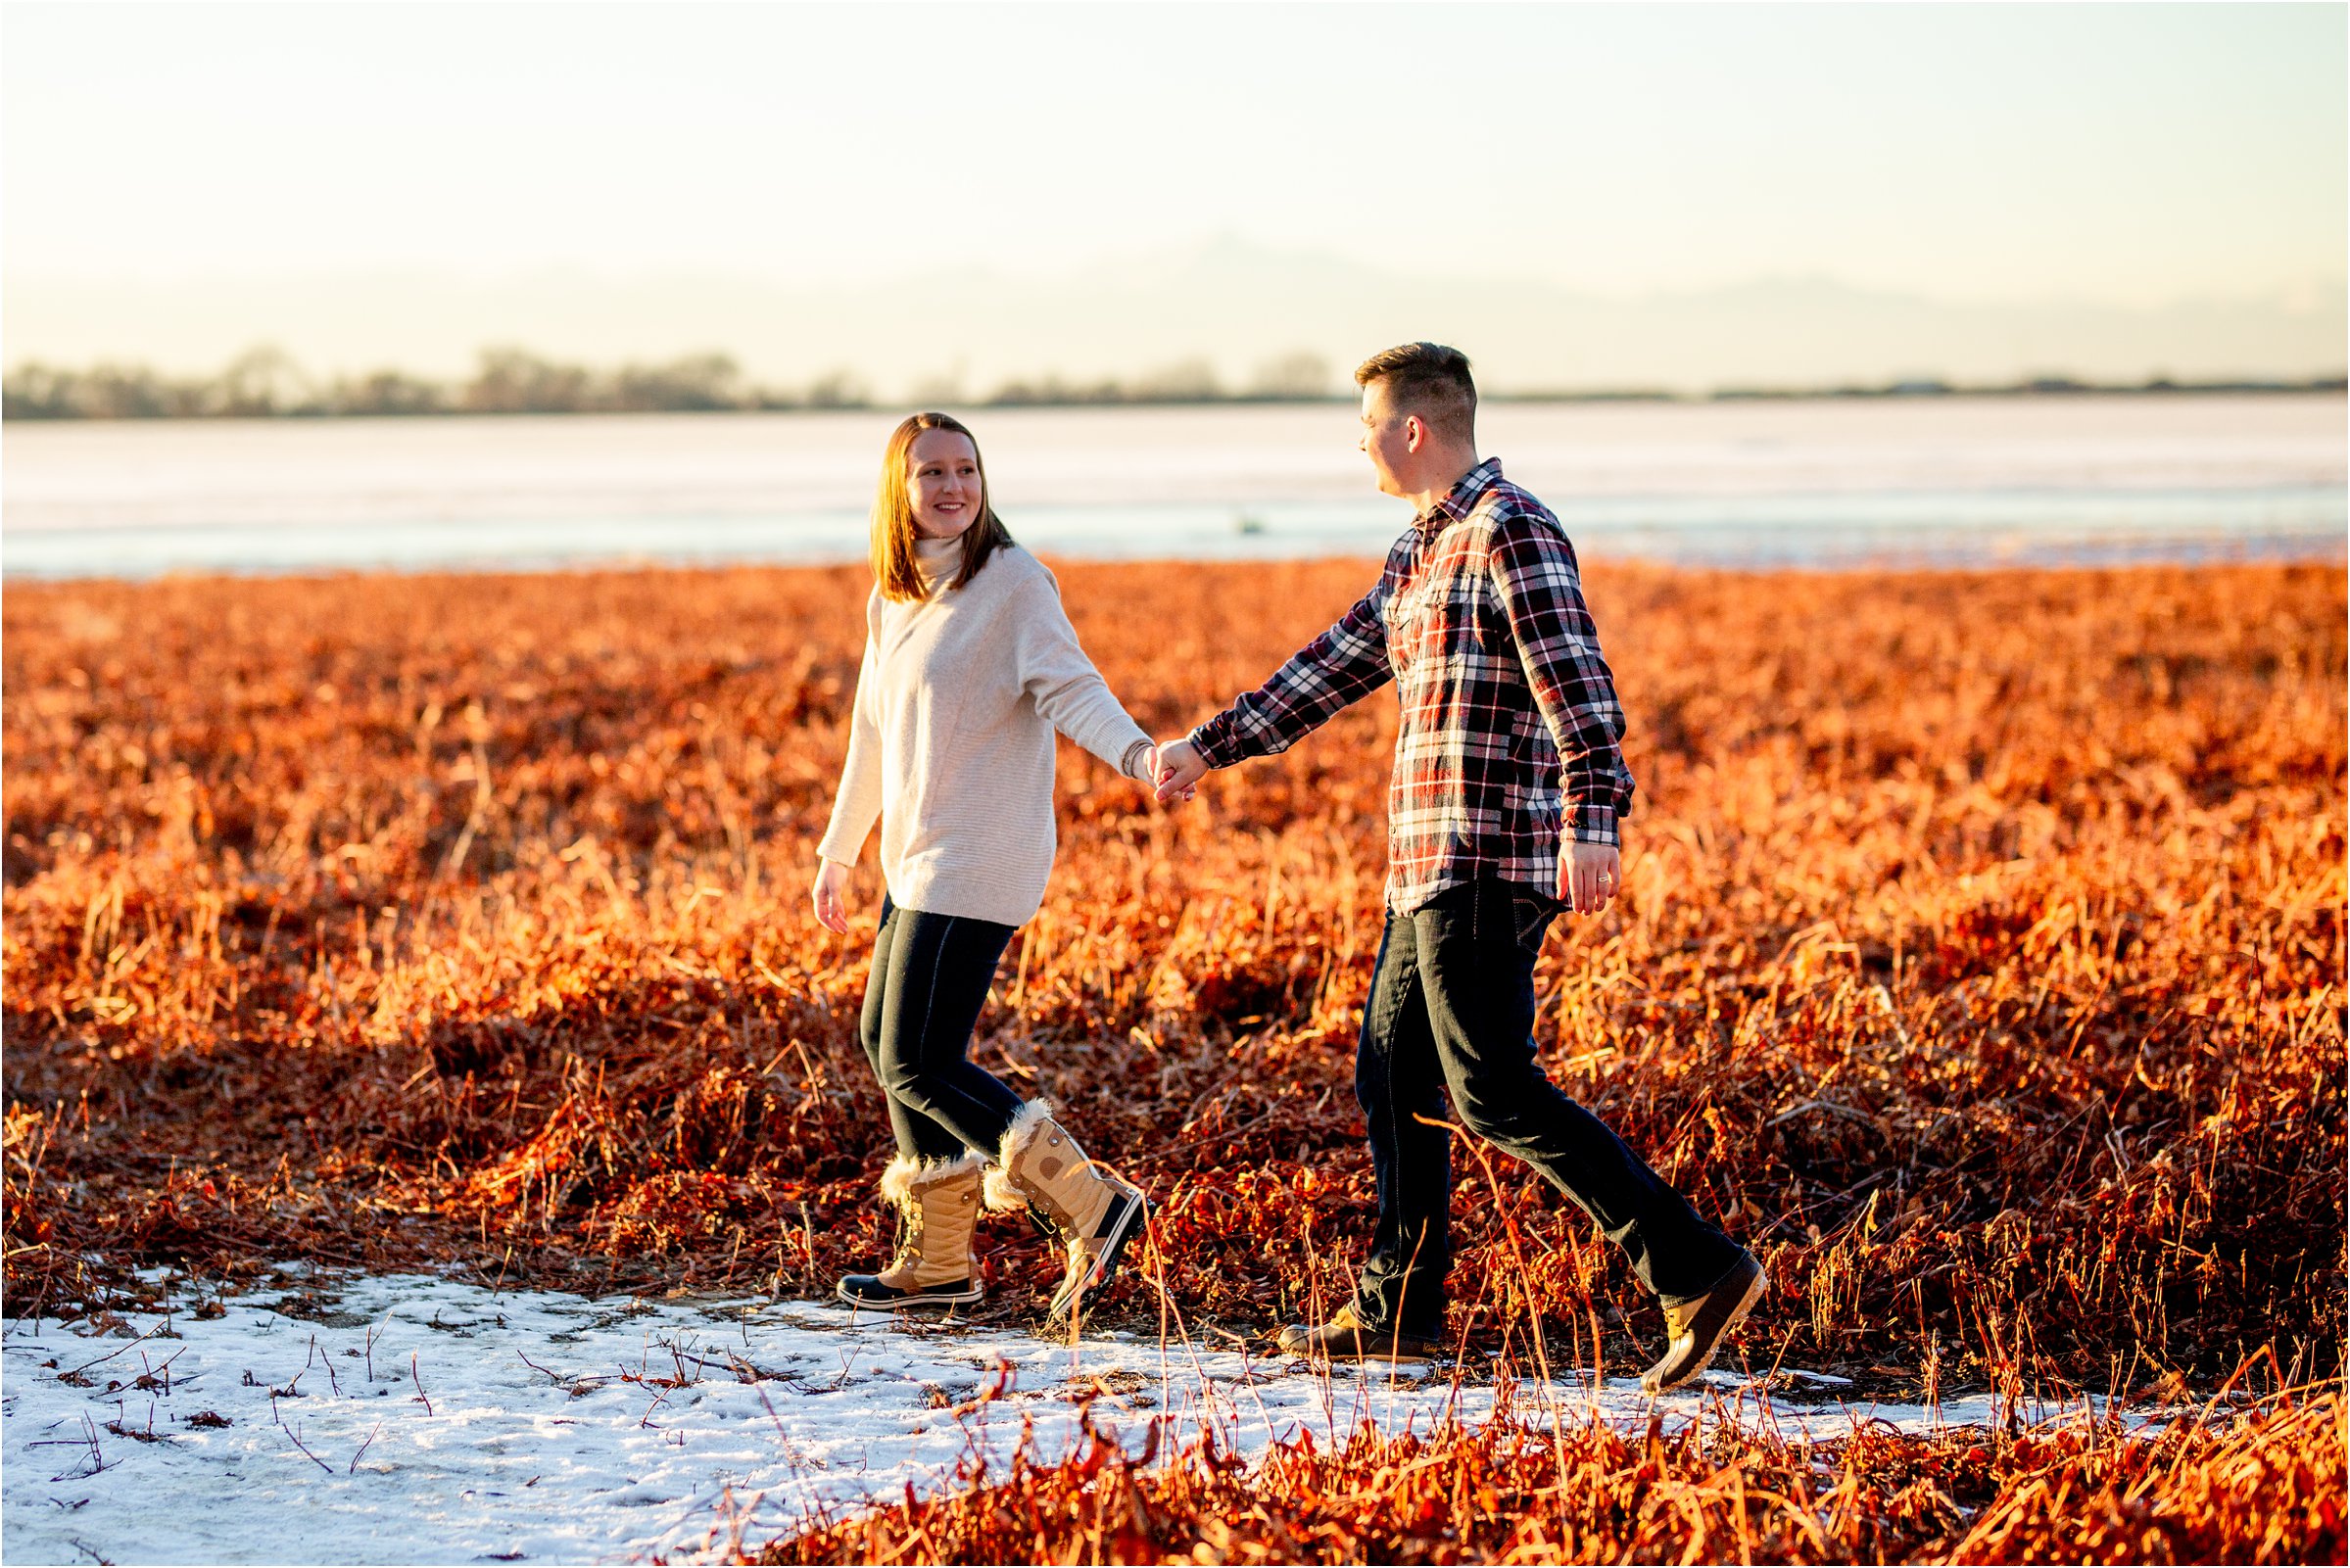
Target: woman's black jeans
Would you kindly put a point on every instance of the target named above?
(1452, 1008)
(929, 979)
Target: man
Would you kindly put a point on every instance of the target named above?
(1508, 786)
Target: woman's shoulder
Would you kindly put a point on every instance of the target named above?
(1017, 573)
(1017, 562)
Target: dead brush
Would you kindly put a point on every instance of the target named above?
(1979, 961)
(2266, 1487)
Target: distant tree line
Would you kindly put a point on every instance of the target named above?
(266, 383)
(2036, 386)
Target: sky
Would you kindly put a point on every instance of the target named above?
(188, 161)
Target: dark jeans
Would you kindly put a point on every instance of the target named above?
(929, 979)
(1451, 1008)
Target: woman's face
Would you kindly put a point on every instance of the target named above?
(942, 483)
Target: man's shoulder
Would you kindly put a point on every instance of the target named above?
(1505, 503)
(1509, 517)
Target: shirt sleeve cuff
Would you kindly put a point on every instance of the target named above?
(1594, 823)
(1214, 744)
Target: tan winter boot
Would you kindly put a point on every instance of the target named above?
(1096, 1211)
(934, 1265)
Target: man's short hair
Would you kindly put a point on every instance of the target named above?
(1429, 380)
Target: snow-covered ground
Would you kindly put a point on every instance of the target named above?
(412, 1419)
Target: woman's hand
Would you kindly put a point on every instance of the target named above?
(831, 896)
(1178, 770)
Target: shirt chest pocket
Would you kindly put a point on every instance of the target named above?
(1454, 618)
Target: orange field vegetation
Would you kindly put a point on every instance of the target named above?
(2268, 1490)
(1980, 962)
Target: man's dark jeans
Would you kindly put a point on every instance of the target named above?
(1452, 1008)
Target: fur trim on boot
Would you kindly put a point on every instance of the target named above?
(1002, 1197)
(902, 1175)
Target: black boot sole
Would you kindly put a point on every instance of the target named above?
(1123, 1223)
(885, 1298)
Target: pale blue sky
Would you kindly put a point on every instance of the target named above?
(2113, 154)
(2119, 151)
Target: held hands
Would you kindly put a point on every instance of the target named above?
(1179, 771)
(831, 896)
(1589, 876)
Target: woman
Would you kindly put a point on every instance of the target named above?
(970, 667)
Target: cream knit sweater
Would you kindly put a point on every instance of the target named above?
(951, 744)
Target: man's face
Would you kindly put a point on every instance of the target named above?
(1386, 440)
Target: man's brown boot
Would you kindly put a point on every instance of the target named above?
(1094, 1210)
(1344, 1338)
(1695, 1329)
(934, 1265)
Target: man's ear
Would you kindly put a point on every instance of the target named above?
(1415, 432)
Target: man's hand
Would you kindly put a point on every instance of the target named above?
(831, 896)
(1179, 771)
(1589, 876)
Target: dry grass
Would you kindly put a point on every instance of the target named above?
(1981, 961)
(2268, 1490)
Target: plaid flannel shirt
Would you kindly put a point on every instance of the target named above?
(1509, 716)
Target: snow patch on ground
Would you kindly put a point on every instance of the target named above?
(412, 1419)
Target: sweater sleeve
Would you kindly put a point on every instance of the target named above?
(1069, 692)
(858, 804)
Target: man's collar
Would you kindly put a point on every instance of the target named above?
(1461, 498)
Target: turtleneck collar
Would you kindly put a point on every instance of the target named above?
(938, 558)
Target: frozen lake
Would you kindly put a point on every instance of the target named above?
(1943, 481)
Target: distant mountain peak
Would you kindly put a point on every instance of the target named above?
(1235, 303)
